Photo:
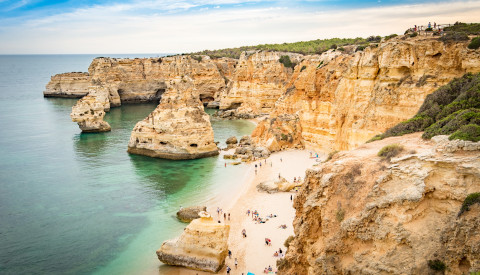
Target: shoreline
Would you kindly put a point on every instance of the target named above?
(251, 252)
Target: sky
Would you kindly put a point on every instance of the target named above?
(182, 26)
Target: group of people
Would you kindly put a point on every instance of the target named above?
(226, 216)
(236, 262)
(278, 253)
(268, 269)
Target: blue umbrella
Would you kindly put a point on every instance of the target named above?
(250, 273)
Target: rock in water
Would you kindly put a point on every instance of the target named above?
(231, 140)
(190, 213)
(202, 246)
(178, 128)
(90, 110)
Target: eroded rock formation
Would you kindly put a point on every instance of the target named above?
(178, 128)
(343, 100)
(358, 214)
(257, 83)
(89, 111)
(202, 246)
(68, 85)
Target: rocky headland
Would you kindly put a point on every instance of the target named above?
(363, 214)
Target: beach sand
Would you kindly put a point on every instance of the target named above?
(252, 253)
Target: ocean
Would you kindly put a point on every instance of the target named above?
(73, 203)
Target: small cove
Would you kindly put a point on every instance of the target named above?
(79, 203)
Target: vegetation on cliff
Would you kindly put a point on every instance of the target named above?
(469, 201)
(453, 109)
(304, 47)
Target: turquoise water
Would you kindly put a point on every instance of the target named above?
(73, 203)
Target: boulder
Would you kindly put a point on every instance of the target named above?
(246, 141)
(232, 140)
(202, 246)
(190, 213)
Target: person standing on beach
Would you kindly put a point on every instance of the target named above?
(291, 197)
(228, 216)
(229, 254)
(236, 263)
(224, 217)
(228, 269)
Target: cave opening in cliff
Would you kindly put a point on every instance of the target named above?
(158, 94)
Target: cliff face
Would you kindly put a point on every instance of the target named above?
(342, 101)
(358, 214)
(68, 85)
(202, 246)
(178, 128)
(257, 82)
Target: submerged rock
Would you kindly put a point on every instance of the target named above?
(202, 246)
(188, 214)
(178, 128)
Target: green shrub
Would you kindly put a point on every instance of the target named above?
(469, 132)
(360, 48)
(376, 137)
(333, 47)
(288, 241)
(428, 29)
(470, 29)
(413, 34)
(375, 39)
(320, 65)
(445, 111)
(285, 60)
(454, 37)
(303, 68)
(197, 57)
(454, 122)
(388, 37)
(342, 49)
(437, 265)
(475, 44)
(469, 201)
(390, 151)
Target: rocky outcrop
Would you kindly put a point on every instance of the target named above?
(257, 83)
(188, 214)
(202, 246)
(178, 128)
(89, 111)
(68, 85)
(274, 186)
(343, 99)
(280, 132)
(359, 214)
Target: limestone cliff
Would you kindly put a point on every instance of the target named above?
(257, 82)
(90, 110)
(359, 214)
(68, 85)
(343, 100)
(202, 246)
(178, 128)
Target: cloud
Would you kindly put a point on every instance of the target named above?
(115, 29)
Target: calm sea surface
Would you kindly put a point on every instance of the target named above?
(73, 203)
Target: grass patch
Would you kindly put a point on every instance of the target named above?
(303, 47)
(388, 37)
(303, 68)
(453, 36)
(437, 265)
(413, 34)
(390, 151)
(467, 132)
(469, 201)
(340, 215)
(197, 57)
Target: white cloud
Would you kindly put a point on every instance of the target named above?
(114, 29)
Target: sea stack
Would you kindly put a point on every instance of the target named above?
(90, 110)
(178, 128)
(202, 246)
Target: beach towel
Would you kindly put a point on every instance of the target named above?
(250, 273)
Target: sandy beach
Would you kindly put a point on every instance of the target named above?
(252, 254)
